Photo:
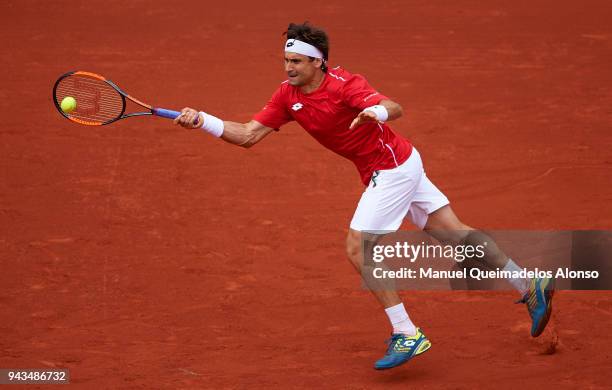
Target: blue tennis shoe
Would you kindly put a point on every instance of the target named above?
(539, 303)
(403, 348)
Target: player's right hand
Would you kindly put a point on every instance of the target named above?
(189, 119)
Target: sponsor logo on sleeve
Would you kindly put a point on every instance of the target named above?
(365, 99)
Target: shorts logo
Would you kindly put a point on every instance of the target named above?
(297, 106)
(374, 176)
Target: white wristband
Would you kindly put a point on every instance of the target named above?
(381, 112)
(213, 125)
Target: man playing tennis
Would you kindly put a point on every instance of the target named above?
(346, 115)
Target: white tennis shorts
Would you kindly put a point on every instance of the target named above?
(396, 193)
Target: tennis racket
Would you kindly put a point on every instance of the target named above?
(99, 100)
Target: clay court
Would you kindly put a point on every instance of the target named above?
(143, 255)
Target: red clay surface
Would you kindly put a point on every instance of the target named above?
(141, 255)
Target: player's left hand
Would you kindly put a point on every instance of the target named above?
(364, 116)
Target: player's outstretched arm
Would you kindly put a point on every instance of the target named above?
(244, 134)
(386, 110)
(241, 134)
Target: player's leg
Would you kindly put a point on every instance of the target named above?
(406, 340)
(382, 208)
(431, 212)
(384, 292)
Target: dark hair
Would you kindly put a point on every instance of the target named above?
(312, 35)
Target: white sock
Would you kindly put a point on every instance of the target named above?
(399, 319)
(522, 285)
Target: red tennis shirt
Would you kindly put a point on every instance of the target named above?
(327, 113)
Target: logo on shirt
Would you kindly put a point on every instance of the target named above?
(297, 106)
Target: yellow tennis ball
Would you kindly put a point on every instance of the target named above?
(68, 104)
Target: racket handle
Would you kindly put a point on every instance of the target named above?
(170, 114)
(165, 113)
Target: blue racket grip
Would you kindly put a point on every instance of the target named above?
(170, 114)
(165, 113)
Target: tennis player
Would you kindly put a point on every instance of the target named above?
(346, 115)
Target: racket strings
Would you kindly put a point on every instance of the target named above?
(96, 100)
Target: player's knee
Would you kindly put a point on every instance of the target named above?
(449, 237)
(353, 248)
(445, 226)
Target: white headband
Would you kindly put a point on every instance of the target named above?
(299, 47)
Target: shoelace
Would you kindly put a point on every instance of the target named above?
(525, 299)
(391, 342)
